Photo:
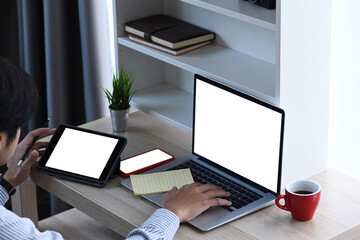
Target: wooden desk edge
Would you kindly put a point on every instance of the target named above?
(62, 190)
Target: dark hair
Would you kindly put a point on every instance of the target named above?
(18, 98)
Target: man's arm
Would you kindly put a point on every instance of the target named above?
(192, 199)
(14, 227)
(17, 174)
(162, 224)
(180, 205)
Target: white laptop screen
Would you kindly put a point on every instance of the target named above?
(237, 133)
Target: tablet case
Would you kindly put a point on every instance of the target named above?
(76, 177)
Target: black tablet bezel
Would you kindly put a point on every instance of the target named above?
(107, 171)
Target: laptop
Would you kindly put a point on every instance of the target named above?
(237, 144)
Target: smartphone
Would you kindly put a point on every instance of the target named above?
(144, 161)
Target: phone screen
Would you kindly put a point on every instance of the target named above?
(144, 160)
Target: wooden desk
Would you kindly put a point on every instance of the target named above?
(338, 214)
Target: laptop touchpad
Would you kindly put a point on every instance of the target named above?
(209, 216)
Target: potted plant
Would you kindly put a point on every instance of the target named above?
(119, 99)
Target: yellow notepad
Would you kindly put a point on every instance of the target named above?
(160, 182)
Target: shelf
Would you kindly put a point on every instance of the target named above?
(224, 65)
(167, 103)
(241, 10)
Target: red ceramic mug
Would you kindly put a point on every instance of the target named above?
(301, 199)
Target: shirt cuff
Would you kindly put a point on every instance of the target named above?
(4, 196)
(165, 220)
(162, 224)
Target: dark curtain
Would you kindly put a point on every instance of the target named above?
(44, 38)
(9, 30)
(9, 36)
(49, 38)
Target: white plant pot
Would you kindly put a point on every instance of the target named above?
(119, 119)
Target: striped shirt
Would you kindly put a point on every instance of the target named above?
(162, 224)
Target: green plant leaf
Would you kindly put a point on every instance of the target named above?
(122, 94)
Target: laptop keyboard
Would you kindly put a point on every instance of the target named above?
(240, 196)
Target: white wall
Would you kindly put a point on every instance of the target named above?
(344, 124)
(304, 86)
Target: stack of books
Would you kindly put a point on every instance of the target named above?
(168, 34)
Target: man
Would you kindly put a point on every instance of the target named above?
(18, 99)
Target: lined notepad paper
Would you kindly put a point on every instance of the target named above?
(160, 182)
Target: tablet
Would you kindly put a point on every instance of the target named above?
(82, 155)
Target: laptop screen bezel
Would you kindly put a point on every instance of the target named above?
(255, 100)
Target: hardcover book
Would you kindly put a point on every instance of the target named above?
(168, 31)
(175, 52)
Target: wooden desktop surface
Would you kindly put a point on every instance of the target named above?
(337, 216)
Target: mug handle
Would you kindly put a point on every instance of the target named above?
(284, 207)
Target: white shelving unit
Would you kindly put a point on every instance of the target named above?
(178, 113)
(205, 61)
(280, 56)
(223, 61)
(240, 10)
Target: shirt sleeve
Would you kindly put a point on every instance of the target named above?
(162, 224)
(4, 196)
(14, 227)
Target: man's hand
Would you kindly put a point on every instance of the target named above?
(192, 199)
(16, 175)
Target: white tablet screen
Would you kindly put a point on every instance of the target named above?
(82, 153)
